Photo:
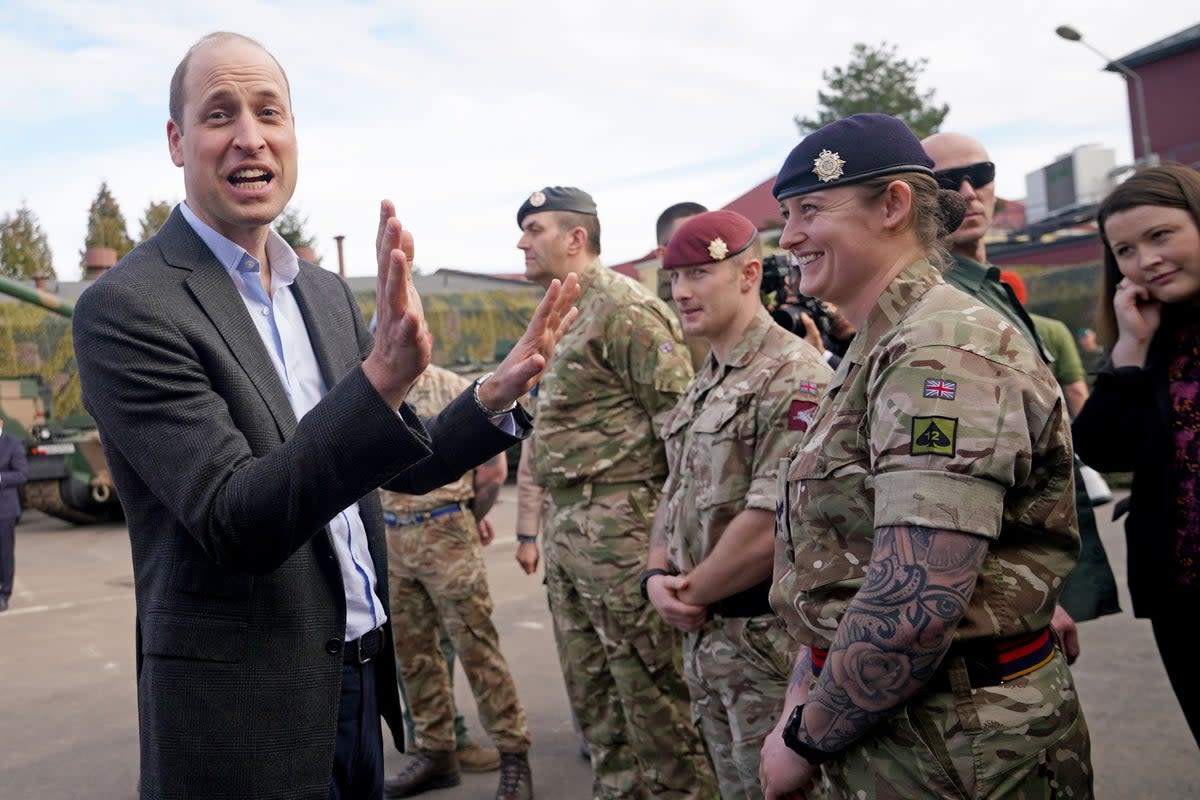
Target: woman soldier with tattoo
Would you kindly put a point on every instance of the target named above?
(927, 520)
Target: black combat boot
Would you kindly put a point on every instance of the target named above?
(428, 769)
(516, 781)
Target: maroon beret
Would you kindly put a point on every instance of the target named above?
(708, 238)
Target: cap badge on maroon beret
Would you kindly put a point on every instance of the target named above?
(537, 199)
(828, 166)
(717, 249)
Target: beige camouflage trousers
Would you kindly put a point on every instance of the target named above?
(737, 670)
(1024, 740)
(437, 578)
(620, 660)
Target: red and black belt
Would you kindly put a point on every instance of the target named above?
(990, 661)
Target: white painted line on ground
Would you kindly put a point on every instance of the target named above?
(16, 612)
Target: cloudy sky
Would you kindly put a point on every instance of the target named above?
(458, 110)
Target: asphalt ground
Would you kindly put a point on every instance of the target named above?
(68, 721)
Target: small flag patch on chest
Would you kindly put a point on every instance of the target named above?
(940, 389)
(800, 415)
(933, 436)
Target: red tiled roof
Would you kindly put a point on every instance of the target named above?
(759, 206)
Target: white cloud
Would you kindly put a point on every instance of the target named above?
(458, 110)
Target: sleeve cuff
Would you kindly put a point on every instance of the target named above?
(939, 500)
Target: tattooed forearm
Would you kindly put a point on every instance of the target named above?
(895, 631)
(803, 669)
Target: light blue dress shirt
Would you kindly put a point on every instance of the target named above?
(279, 322)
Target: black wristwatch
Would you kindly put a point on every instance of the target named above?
(791, 738)
(647, 575)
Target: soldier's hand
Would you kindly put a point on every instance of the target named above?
(486, 532)
(784, 775)
(528, 556)
(523, 365)
(1066, 633)
(403, 344)
(663, 591)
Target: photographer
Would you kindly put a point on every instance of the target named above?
(820, 324)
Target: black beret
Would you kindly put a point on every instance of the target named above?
(708, 238)
(851, 150)
(557, 198)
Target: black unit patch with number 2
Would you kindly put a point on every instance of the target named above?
(933, 436)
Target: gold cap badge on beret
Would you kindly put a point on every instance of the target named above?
(828, 166)
(537, 199)
(717, 249)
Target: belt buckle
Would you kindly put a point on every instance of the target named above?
(359, 658)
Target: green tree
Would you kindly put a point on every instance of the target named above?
(24, 249)
(290, 225)
(106, 225)
(155, 215)
(877, 79)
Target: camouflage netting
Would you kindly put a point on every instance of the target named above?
(471, 329)
(1070, 294)
(34, 341)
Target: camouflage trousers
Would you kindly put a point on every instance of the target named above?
(438, 580)
(1024, 740)
(620, 660)
(737, 670)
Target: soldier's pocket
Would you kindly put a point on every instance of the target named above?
(726, 444)
(767, 644)
(826, 498)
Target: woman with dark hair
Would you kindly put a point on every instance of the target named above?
(927, 521)
(1144, 412)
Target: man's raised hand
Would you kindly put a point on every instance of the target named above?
(403, 344)
(524, 364)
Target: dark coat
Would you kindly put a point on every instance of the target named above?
(240, 603)
(13, 473)
(1125, 426)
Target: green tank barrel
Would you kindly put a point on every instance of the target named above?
(36, 296)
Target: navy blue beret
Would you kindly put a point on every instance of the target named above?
(708, 238)
(848, 151)
(557, 198)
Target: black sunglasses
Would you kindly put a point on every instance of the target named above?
(977, 175)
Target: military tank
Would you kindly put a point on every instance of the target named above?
(68, 476)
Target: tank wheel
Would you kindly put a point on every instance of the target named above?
(46, 497)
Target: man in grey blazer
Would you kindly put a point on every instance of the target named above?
(247, 417)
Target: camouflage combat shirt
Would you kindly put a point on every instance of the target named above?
(432, 392)
(727, 435)
(941, 415)
(614, 375)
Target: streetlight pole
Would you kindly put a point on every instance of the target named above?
(341, 259)
(1149, 157)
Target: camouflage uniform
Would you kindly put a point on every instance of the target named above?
(941, 415)
(613, 376)
(724, 442)
(438, 579)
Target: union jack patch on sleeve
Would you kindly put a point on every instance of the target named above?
(940, 389)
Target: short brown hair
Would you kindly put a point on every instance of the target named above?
(176, 98)
(1168, 186)
(590, 224)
